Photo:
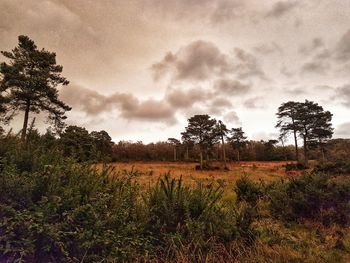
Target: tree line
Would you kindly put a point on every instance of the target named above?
(29, 82)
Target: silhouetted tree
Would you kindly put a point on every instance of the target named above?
(315, 124)
(175, 143)
(287, 122)
(29, 83)
(237, 140)
(188, 143)
(222, 133)
(76, 142)
(102, 143)
(201, 130)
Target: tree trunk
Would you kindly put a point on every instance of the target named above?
(201, 159)
(187, 156)
(175, 154)
(25, 122)
(284, 150)
(296, 146)
(238, 156)
(306, 158)
(223, 151)
(323, 155)
(322, 151)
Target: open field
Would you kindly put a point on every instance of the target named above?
(151, 171)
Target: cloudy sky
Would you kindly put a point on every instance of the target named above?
(139, 68)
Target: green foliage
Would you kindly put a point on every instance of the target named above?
(78, 143)
(195, 215)
(338, 167)
(248, 191)
(70, 212)
(315, 197)
(30, 81)
(308, 120)
(295, 166)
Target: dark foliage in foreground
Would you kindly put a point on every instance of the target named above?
(67, 211)
(54, 209)
(316, 197)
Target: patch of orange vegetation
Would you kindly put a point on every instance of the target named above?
(151, 171)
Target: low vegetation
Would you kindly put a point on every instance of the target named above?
(55, 209)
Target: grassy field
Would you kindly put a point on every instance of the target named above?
(151, 171)
(277, 241)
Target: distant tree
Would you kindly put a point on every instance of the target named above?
(77, 142)
(103, 144)
(323, 131)
(201, 130)
(188, 143)
(287, 122)
(175, 143)
(222, 132)
(49, 139)
(269, 149)
(315, 124)
(29, 83)
(237, 140)
(282, 139)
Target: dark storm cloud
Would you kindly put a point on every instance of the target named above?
(342, 130)
(179, 98)
(343, 94)
(315, 67)
(231, 118)
(247, 65)
(296, 91)
(130, 107)
(316, 44)
(343, 47)
(282, 8)
(319, 64)
(231, 87)
(199, 60)
(254, 103)
(226, 10)
(268, 48)
(218, 106)
(286, 72)
(209, 11)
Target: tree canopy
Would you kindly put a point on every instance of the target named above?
(29, 83)
(307, 120)
(201, 130)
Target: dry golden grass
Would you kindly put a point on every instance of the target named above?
(151, 171)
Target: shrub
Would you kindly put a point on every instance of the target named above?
(295, 166)
(339, 167)
(316, 196)
(248, 191)
(194, 215)
(68, 213)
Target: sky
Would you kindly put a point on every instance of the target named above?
(140, 68)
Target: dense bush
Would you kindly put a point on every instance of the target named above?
(295, 166)
(316, 197)
(338, 167)
(196, 213)
(248, 191)
(70, 212)
(54, 209)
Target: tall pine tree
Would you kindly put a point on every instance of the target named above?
(29, 83)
